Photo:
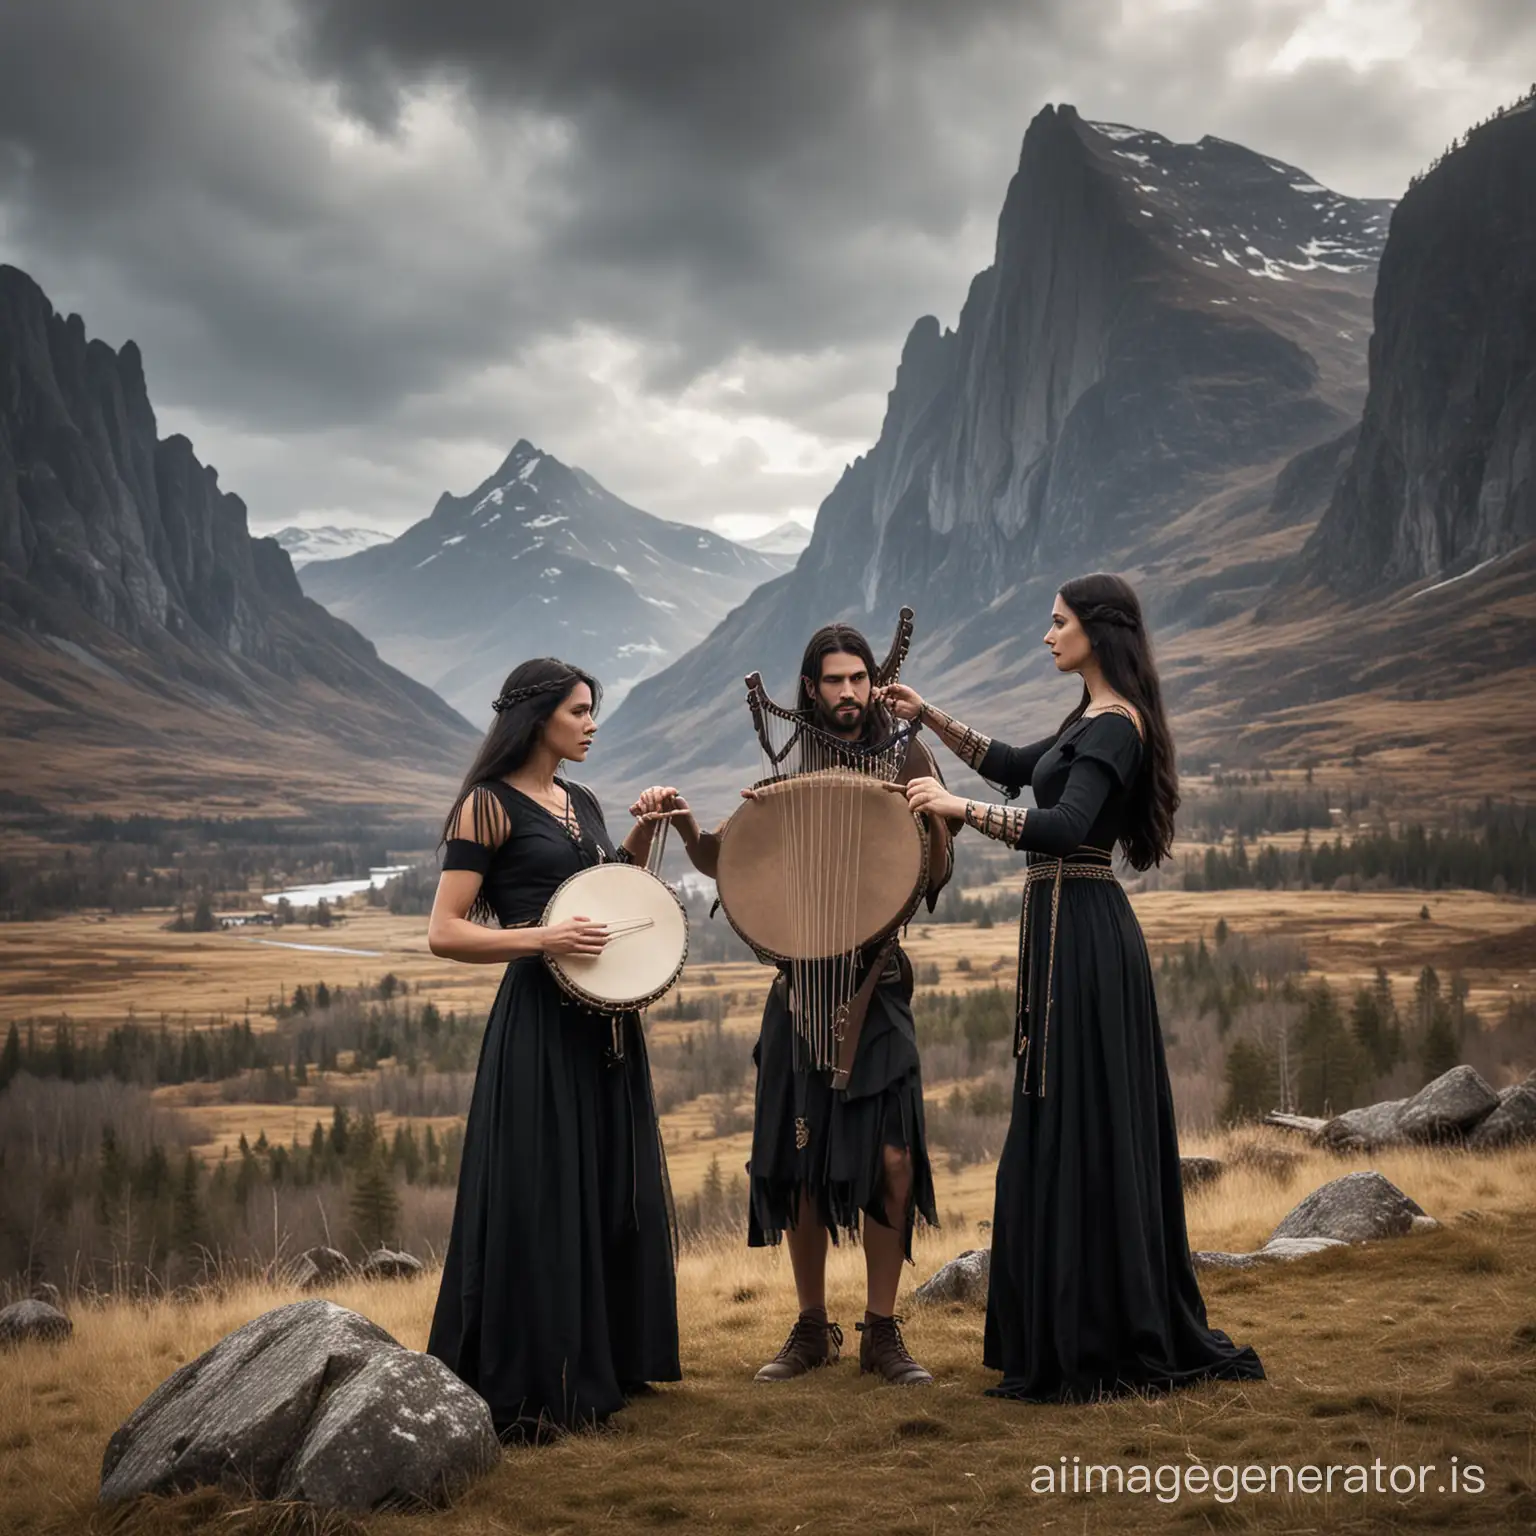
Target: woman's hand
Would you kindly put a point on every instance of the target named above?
(903, 702)
(658, 800)
(575, 936)
(931, 796)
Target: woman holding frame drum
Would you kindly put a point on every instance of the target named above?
(1092, 1291)
(558, 1295)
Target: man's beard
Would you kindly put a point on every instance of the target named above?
(839, 725)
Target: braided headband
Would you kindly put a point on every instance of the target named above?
(1102, 613)
(517, 695)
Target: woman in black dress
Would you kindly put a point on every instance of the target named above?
(558, 1296)
(1092, 1290)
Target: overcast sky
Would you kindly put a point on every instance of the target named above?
(366, 245)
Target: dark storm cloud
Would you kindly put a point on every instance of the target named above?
(366, 244)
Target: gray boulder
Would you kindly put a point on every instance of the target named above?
(403, 1429)
(964, 1278)
(1448, 1108)
(33, 1320)
(1197, 1172)
(241, 1416)
(320, 1266)
(1512, 1123)
(1283, 1250)
(1278, 1250)
(1358, 1208)
(386, 1264)
(1366, 1128)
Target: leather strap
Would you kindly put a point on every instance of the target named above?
(858, 1009)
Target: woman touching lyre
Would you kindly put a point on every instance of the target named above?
(558, 1295)
(1092, 1291)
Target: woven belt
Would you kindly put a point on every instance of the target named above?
(1081, 864)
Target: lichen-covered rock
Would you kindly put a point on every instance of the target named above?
(1511, 1124)
(964, 1278)
(33, 1320)
(1448, 1108)
(387, 1264)
(1358, 1208)
(320, 1266)
(1282, 1250)
(1197, 1172)
(1278, 1250)
(403, 1429)
(243, 1414)
(1366, 1128)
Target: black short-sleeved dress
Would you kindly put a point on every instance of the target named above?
(559, 1289)
(1092, 1290)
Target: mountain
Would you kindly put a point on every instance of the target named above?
(1163, 327)
(155, 655)
(538, 560)
(788, 538)
(305, 545)
(1443, 476)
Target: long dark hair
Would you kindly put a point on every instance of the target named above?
(827, 640)
(1109, 611)
(530, 695)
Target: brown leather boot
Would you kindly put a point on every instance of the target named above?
(882, 1352)
(812, 1342)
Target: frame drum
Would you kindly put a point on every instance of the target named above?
(647, 937)
(820, 865)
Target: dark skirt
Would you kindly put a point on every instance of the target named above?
(845, 1133)
(559, 1287)
(1092, 1291)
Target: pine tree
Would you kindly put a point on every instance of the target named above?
(10, 1058)
(375, 1205)
(1328, 1065)
(1441, 1048)
(188, 1226)
(1252, 1082)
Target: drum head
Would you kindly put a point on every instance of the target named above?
(646, 947)
(821, 864)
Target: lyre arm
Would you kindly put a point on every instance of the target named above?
(890, 669)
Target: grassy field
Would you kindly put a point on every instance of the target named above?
(98, 967)
(1413, 1351)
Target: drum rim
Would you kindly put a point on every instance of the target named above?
(579, 993)
(919, 826)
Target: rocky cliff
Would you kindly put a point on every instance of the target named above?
(1163, 326)
(135, 607)
(1444, 475)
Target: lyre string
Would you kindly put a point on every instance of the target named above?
(821, 844)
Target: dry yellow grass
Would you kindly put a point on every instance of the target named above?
(1412, 1351)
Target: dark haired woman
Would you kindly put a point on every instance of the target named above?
(558, 1295)
(1092, 1290)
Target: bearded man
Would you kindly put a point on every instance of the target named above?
(826, 1159)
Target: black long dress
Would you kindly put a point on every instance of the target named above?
(1092, 1291)
(559, 1289)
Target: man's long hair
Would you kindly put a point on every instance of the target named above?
(532, 692)
(1110, 612)
(827, 640)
